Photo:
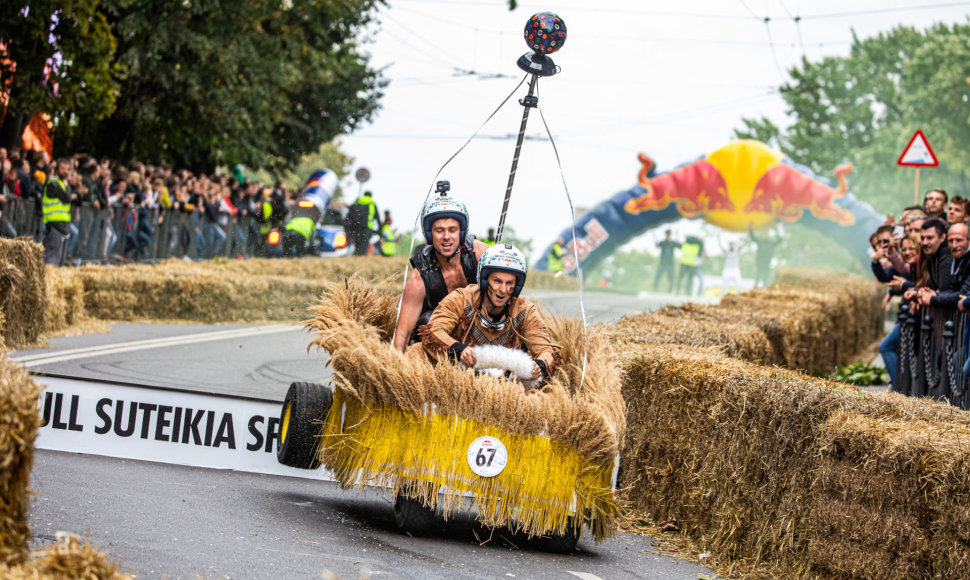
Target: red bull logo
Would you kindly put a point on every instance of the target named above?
(743, 184)
(696, 188)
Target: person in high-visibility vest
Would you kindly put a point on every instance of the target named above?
(691, 257)
(490, 240)
(296, 238)
(363, 222)
(265, 216)
(554, 261)
(388, 236)
(57, 214)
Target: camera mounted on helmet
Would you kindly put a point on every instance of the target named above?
(442, 207)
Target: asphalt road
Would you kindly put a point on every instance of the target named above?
(183, 522)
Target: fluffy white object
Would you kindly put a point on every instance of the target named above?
(495, 360)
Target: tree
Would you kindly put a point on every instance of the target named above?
(219, 82)
(864, 107)
(59, 60)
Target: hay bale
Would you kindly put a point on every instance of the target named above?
(65, 299)
(19, 421)
(69, 559)
(766, 465)
(23, 298)
(565, 437)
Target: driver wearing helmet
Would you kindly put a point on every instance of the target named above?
(491, 312)
(448, 261)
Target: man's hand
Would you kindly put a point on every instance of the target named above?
(910, 294)
(896, 283)
(536, 371)
(925, 295)
(468, 357)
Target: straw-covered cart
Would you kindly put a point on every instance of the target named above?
(433, 435)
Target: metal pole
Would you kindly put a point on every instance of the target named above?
(527, 103)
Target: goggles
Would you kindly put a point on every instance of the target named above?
(489, 324)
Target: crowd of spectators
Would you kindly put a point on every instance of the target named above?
(922, 258)
(134, 212)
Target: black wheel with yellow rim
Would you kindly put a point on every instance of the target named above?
(305, 406)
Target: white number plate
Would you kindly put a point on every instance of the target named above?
(487, 456)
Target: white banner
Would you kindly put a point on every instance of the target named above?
(161, 425)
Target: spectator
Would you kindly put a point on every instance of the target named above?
(956, 213)
(764, 253)
(934, 203)
(731, 274)
(490, 238)
(935, 262)
(554, 260)
(388, 236)
(889, 347)
(956, 239)
(6, 197)
(665, 266)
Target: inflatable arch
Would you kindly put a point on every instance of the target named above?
(743, 185)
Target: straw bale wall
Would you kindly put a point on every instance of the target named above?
(19, 421)
(767, 465)
(22, 291)
(792, 327)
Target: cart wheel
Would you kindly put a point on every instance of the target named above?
(411, 516)
(564, 543)
(305, 403)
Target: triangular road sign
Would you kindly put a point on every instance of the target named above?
(918, 153)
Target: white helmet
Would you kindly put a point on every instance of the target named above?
(445, 207)
(502, 258)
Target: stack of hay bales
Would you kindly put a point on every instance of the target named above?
(766, 465)
(22, 291)
(19, 421)
(797, 328)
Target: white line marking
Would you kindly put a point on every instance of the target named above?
(92, 351)
(584, 575)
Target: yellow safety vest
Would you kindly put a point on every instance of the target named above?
(303, 225)
(266, 226)
(387, 242)
(555, 258)
(54, 209)
(689, 254)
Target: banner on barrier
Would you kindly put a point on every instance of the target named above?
(163, 425)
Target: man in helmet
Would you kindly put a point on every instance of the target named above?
(448, 261)
(491, 312)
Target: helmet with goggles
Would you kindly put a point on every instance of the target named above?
(444, 207)
(502, 258)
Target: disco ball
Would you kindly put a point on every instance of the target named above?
(545, 33)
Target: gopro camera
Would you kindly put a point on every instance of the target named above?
(442, 187)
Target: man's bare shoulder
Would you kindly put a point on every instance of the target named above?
(415, 284)
(478, 247)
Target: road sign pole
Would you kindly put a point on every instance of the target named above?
(916, 191)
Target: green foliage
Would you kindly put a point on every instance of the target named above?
(863, 108)
(73, 36)
(218, 82)
(860, 374)
(327, 156)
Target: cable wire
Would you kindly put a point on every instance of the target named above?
(572, 214)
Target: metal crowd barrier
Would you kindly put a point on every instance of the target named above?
(932, 352)
(142, 235)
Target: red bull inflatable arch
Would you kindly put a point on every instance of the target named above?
(743, 185)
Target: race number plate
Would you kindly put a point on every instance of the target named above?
(487, 456)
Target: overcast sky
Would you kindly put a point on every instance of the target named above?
(671, 80)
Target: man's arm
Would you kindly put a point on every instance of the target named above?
(478, 246)
(413, 299)
(535, 334)
(436, 336)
